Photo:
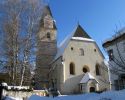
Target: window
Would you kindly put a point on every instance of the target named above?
(119, 84)
(95, 50)
(122, 81)
(72, 68)
(72, 48)
(116, 84)
(81, 87)
(48, 35)
(97, 67)
(81, 52)
(110, 54)
(85, 69)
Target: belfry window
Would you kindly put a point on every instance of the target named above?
(72, 68)
(48, 35)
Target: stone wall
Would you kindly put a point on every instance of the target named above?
(24, 95)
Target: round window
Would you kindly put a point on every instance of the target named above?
(85, 70)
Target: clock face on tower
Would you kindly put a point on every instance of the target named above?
(48, 22)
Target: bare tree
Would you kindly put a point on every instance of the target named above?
(20, 24)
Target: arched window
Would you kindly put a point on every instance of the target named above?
(97, 67)
(72, 68)
(85, 69)
(48, 35)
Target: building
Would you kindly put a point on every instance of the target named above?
(79, 65)
(115, 48)
(76, 66)
(47, 48)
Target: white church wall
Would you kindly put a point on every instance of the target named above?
(91, 56)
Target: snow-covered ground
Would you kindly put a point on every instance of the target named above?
(111, 95)
(11, 98)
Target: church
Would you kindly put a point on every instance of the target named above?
(75, 66)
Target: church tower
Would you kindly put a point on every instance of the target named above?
(47, 48)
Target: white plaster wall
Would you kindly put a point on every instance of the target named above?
(90, 58)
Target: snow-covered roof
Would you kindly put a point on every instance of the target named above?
(18, 87)
(12, 98)
(82, 39)
(87, 77)
(77, 34)
(117, 35)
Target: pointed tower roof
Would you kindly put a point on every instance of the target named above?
(77, 34)
(80, 32)
(47, 11)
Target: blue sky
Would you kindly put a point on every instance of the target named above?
(99, 18)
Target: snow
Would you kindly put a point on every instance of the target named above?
(36, 97)
(82, 39)
(87, 77)
(4, 84)
(110, 95)
(11, 98)
(18, 87)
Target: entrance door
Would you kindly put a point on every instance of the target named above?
(92, 89)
